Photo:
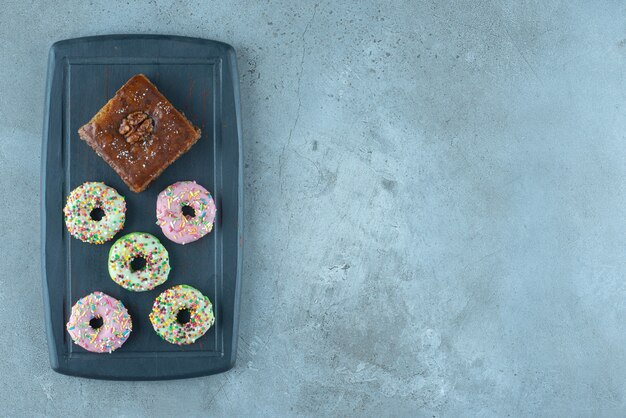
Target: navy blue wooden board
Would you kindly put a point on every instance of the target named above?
(200, 78)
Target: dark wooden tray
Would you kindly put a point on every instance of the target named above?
(200, 78)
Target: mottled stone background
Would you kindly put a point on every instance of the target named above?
(435, 209)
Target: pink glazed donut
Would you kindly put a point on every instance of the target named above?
(99, 323)
(185, 212)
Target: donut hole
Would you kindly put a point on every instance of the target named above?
(188, 211)
(96, 214)
(183, 316)
(96, 322)
(137, 263)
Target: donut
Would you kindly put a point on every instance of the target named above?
(94, 212)
(185, 212)
(99, 323)
(181, 315)
(138, 262)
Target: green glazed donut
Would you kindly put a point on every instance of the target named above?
(138, 262)
(182, 314)
(94, 212)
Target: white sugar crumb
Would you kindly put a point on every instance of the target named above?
(164, 107)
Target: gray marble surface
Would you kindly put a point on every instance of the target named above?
(435, 209)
